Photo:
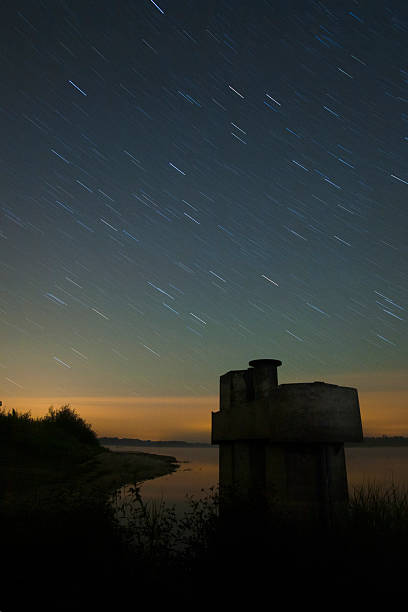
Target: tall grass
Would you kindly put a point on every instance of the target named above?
(149, 527)
(380, 509)
(365, 554)
(156, 532)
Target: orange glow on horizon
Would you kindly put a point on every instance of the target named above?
(147, 418)
(189, 418)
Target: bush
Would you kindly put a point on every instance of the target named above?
(61, 435)
(69, 421)
(13, 421)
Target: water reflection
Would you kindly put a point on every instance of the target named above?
(384, 465)
(199, 470)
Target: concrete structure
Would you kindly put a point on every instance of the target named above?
(282, 446)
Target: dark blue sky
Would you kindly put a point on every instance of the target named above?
(190, 185)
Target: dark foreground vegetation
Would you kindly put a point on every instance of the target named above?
(76, 548)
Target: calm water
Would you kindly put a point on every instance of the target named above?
(199, 470)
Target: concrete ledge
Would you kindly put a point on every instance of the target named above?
(301, 412)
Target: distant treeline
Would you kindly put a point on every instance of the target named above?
(381, 441)
(368, 441)
(137, 442)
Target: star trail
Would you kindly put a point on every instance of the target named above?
(188, 185)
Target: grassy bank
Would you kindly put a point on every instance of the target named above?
(59, 451)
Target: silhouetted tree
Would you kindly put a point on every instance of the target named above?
(67, 419)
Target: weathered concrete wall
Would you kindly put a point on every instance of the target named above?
(302, 412)
(283, 446)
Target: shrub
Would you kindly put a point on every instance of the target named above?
(61, 435)
(69, 421)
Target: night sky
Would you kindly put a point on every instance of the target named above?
(188, 185)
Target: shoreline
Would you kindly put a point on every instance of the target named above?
(119, 468)
(102, 474)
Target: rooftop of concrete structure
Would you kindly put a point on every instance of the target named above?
(254, 406)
